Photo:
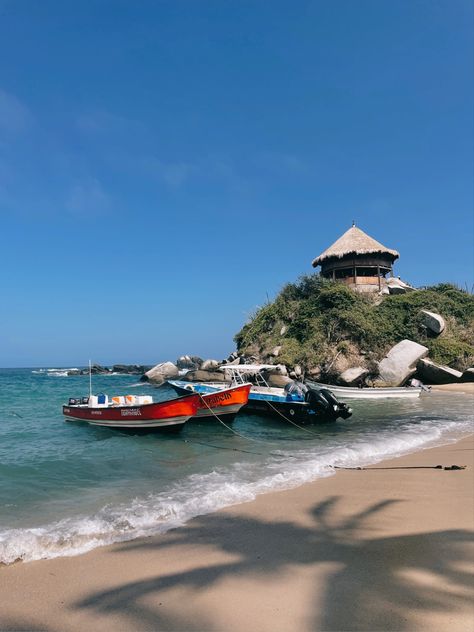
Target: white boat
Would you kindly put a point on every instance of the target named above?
(351, 392)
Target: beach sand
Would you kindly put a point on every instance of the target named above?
(455, 387)
(378, 549)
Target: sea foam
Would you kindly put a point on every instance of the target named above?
(200, 494)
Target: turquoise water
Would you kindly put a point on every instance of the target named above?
(67, 487)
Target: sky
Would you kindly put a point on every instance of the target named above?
(167, 166)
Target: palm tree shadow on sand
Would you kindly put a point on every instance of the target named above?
(374, 576)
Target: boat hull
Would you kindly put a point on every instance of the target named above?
(367, 393)
(227, 402)
(158, 415)
(222, 401)
(293, 412)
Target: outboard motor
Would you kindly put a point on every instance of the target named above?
(333, 408)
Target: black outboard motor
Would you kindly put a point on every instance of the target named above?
(325, 398)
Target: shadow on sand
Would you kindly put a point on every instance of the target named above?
(373, 585)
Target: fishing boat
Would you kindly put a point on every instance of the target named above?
(295, 402)
(215, 402)
(132, 411)
(370, 393)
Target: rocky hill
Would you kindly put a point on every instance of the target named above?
(322, 328)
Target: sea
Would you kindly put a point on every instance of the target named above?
(67, 487)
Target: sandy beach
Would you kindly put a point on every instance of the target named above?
(377, 549)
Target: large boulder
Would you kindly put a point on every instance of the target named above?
(162, 372)
(277, 376)
(353, 376)
(210, 365)
(468, 375)
(205, 376)
(434, 323)
(396, 286)
(400, 363)
(188, 362)
(432, 373)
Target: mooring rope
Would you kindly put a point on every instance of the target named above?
(404, 467)
(229, 428)
(243, 436)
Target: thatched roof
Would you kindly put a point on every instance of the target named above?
(354, 242)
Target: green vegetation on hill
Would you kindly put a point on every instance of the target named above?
(328, 326)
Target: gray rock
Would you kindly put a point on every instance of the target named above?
(129, 369)
(400, 363)
(433, 322)
(432, 373)
(162, 372)
(189, 362)
(396, 286)
(468, 375)
(283, 330)
(234, 362)
(205, 376)
(297, 370)
(277, 380)
(210, 365)
(314, 373)
(353, 376)
(275, 351)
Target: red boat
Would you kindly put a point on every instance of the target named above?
(226, 402)
(132, 412)
(219, 402)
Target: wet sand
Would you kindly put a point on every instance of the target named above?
(458, 387)
(378, 549)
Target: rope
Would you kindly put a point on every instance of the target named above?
(228, 427)
(404, 467)
(243, 436)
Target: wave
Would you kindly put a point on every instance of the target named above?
(55, 372)
(200, 494)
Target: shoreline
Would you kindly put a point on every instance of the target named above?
(360, 550)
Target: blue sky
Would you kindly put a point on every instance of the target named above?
(167, 166)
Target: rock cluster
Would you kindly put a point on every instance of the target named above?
(403, 361)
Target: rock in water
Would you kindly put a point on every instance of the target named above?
(400, 363)
(162, 372)
(432, 373)
(433, 322)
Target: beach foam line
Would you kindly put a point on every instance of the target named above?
(201, 494)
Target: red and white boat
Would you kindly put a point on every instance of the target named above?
(226, 402)
(133, 411)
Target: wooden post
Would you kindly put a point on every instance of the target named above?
(378, 275)
(333, 274)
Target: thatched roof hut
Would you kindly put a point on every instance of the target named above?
(357, 259)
